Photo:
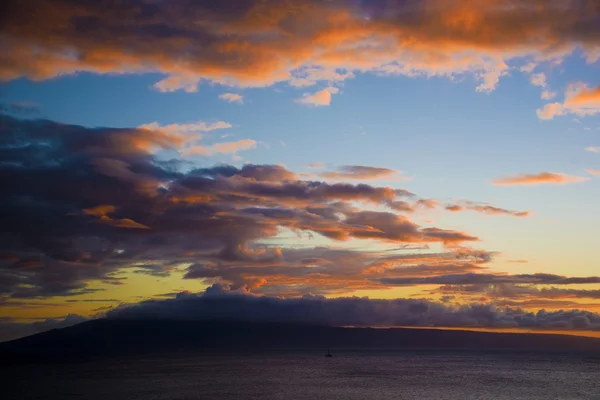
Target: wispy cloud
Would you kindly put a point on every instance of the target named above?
(548, 178)
(485, 209)
(232, 98)
(360, 172)
(594, 172)
(593, 149)
(316, 165)
(199, 126)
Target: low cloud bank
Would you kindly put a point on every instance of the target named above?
(219, 302)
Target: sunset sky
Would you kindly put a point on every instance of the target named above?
(442, 153)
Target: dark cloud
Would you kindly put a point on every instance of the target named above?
(470, 278)
(20, 108)
(219, 302)
(256, 43)
(80, 204)
(510, 290)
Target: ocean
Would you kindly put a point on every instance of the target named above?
(349, 374)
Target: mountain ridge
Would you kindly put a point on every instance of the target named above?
(115, 337)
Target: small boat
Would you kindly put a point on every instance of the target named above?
(328, 354)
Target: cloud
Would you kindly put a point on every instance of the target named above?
(593, 149)
(538, 79)
(319, 98)
(548, 178)
(320, 42)
(232, 98)
(173, 83)
(80, 206)
(488, 279)
(594, 172)
(220, 302)
(189, 137)
(316, 165)
(515, 291)
(580, 99)
(548, 95)
(360, 172)
(485, 209)
(199, 126)
(19, 108)
(308, 76)
(549, 111)
(102, 213)
(223, 148)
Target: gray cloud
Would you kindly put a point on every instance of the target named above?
(219, 302)
(470, 278)
(80, 204)
(510, 290)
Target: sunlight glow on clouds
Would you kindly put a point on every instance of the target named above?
(446, 89)
(549, 178)
(314, 42)
(580, 100)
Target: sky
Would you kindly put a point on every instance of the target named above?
(430, 163)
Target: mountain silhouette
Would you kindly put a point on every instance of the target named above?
(115, 337)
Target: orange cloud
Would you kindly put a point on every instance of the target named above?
(318, 99)
(485, 209)
(550, 178)
(122, 223)
(102, 212)
(359, 172)
(586, 96)
(223, 148)
(580, 100)
(259, 44)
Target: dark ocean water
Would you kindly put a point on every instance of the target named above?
(309, 375)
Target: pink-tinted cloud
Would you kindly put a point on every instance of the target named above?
(232, 98)
(319, 98)
(543, 178)
(222, 148)
(594, 172)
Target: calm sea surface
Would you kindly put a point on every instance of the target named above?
(309, 375)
